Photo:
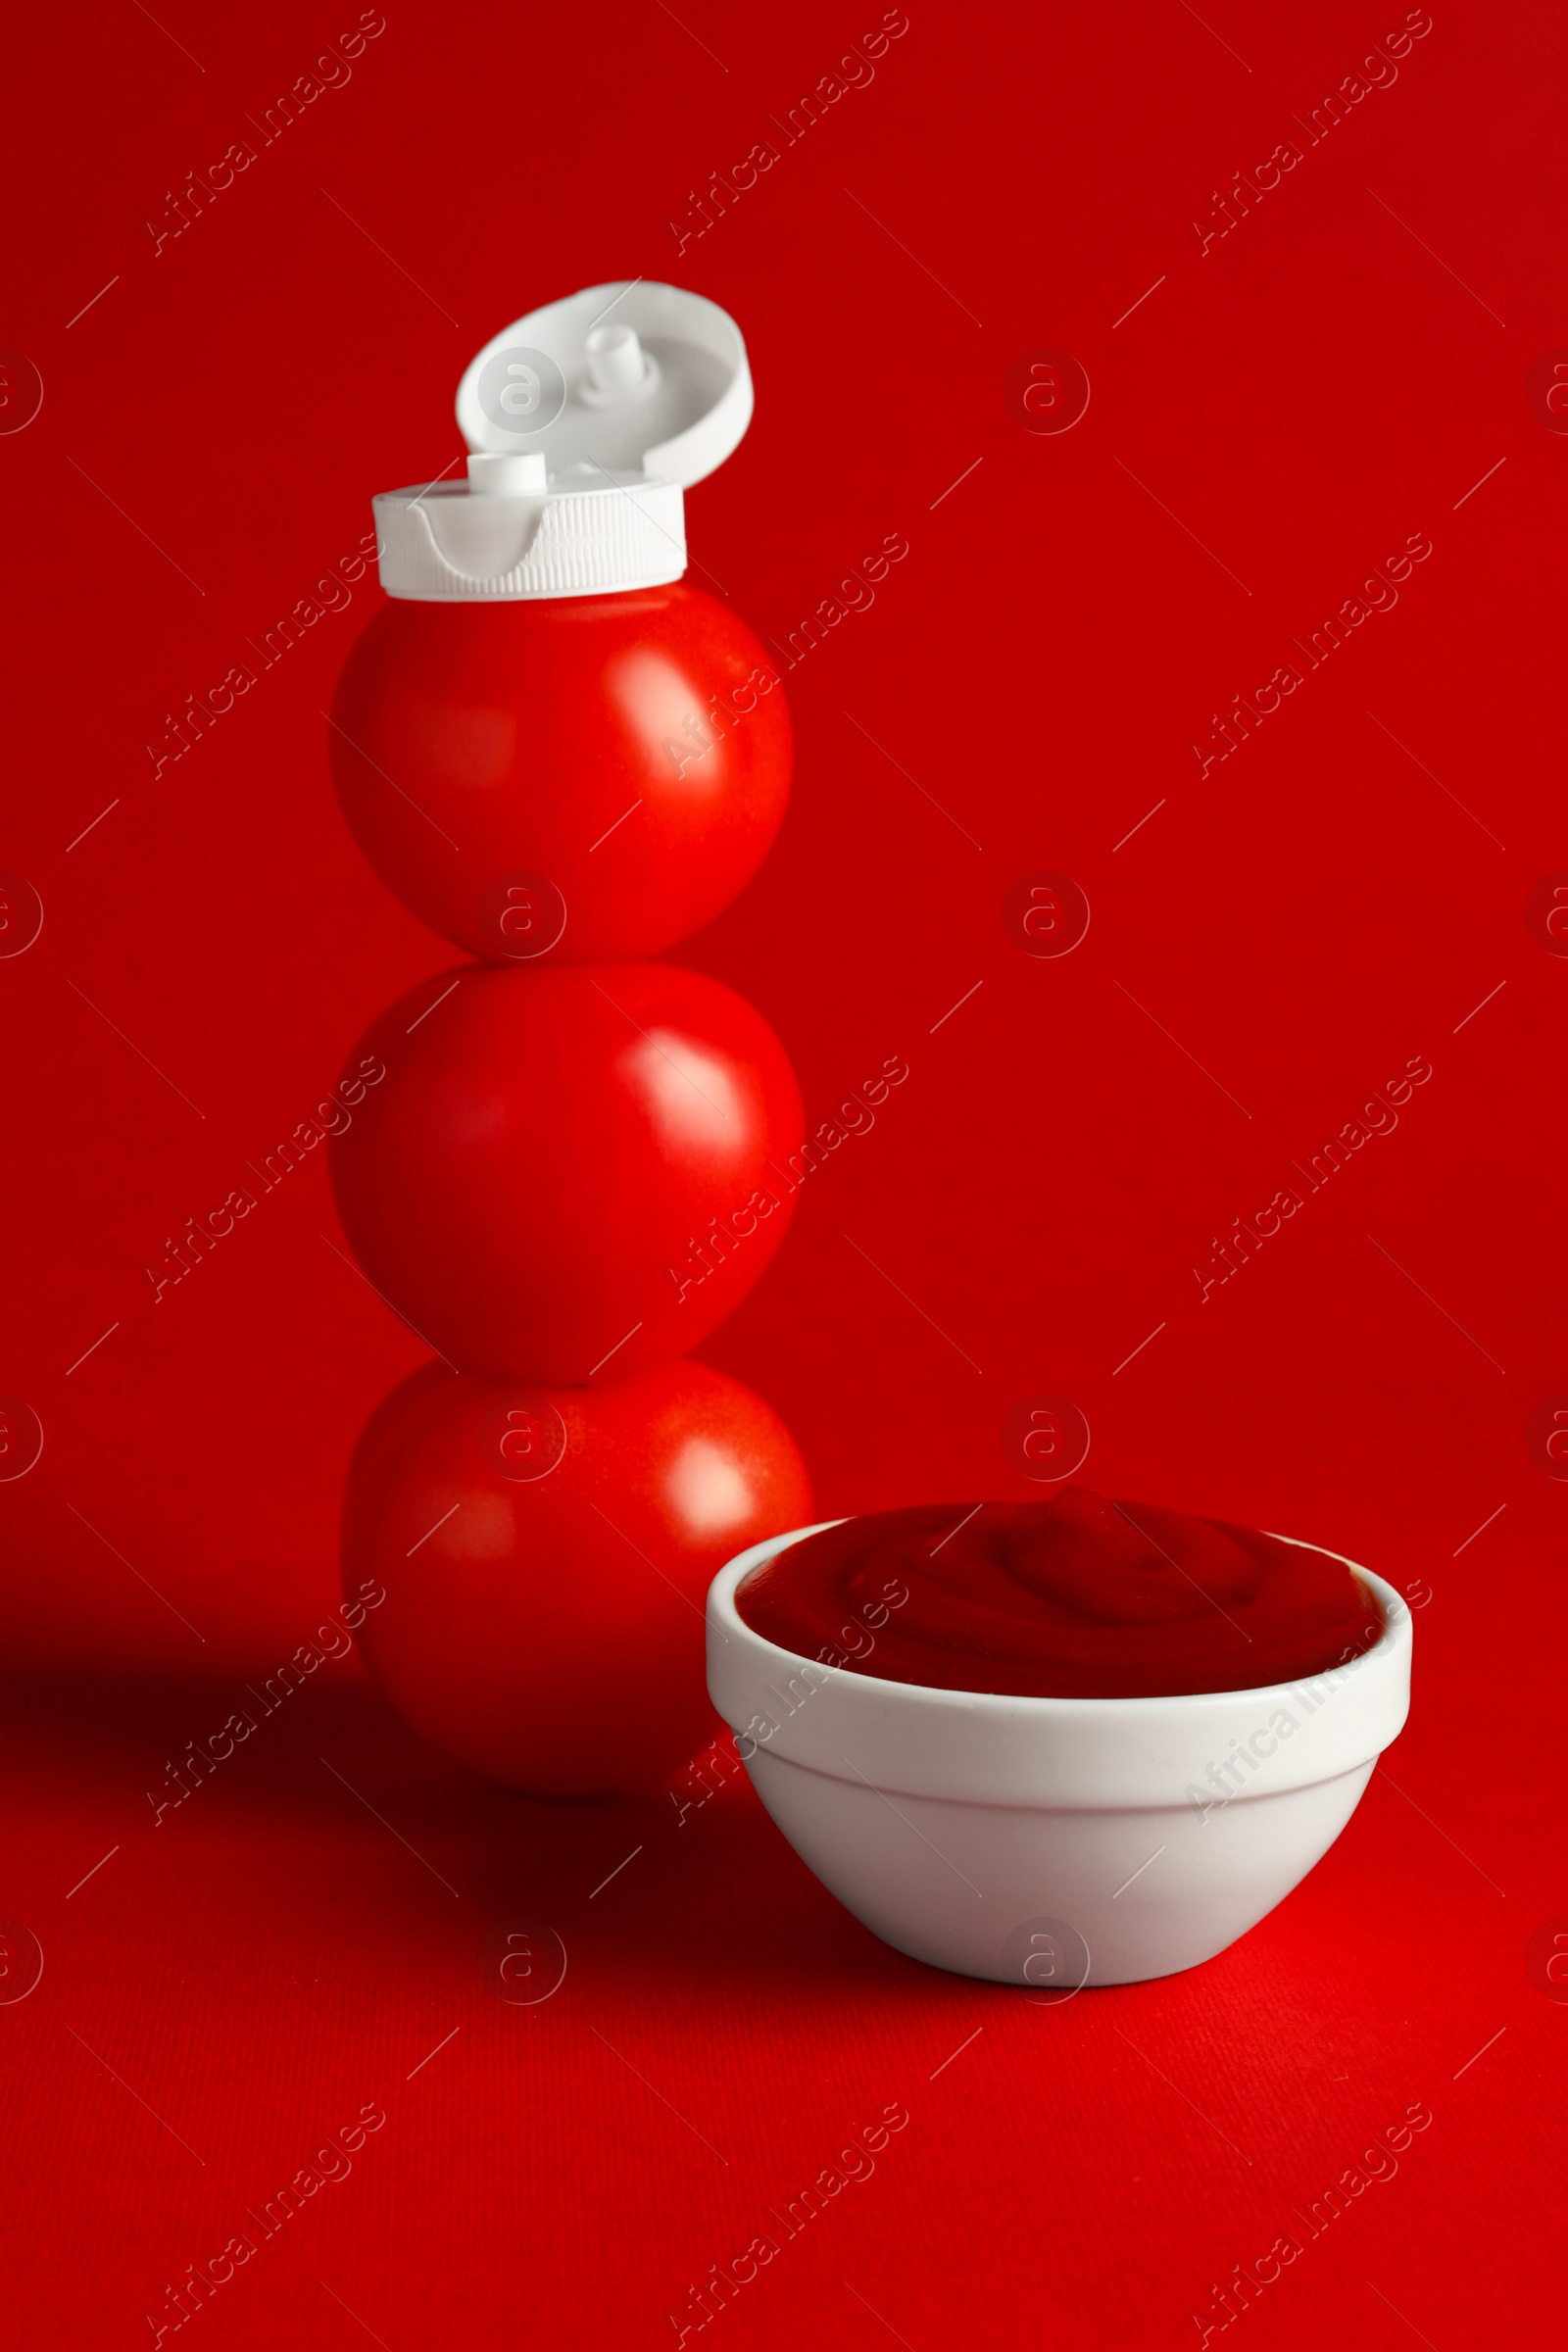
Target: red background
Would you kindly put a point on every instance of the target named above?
(1277, 416)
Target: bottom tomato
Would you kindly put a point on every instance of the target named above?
(545, 1554)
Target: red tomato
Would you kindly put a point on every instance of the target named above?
(545, 1558)
(617, 764)
(569, 1170)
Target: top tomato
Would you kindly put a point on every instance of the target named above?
(568, 780)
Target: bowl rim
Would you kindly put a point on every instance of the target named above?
(1392, 1649)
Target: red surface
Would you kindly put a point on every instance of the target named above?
(1347, 367)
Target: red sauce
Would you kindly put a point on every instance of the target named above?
(1072, 1598)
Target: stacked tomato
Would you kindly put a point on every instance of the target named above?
(576, 1166)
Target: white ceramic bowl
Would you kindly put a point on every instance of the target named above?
(1053, 1841)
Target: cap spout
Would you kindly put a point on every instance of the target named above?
(502, 473)
(616, 362)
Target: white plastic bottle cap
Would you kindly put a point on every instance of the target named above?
(585, 420)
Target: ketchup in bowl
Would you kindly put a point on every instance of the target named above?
(1077, 1597)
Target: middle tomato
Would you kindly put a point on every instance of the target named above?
(569, 1170)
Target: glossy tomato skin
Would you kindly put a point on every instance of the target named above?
(569, 1170)
(549, 1632)
(618, 761)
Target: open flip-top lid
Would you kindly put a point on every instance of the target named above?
(585, 419)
